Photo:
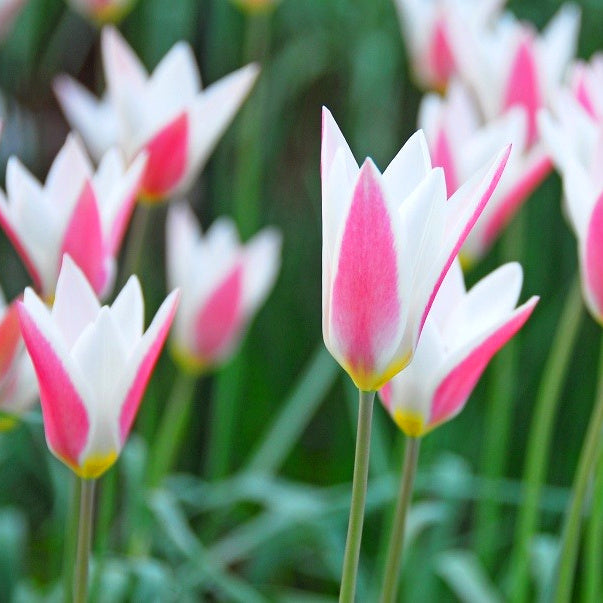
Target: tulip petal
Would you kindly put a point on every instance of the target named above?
(593, 260)
(443, 157)
(10, 337)
(332, 141)
(440, 56)
(128, 312)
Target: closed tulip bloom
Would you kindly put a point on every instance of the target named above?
(432, 31)
(575, 141)
(103, 11)
(462, 332)
(77, 211)
(223, 283)
(460, 142)
(165, 114)
(92, 364)
(388, 241)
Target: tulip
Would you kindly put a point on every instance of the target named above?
(166, 114)
(433, 29)
(18, 386)
(103, 11)
(76, 211)
(587, 85)
(92, 364)
(511, 65)
(575, 140)
(462, 332)
(223, 283)
(388, 241)
(460, 142)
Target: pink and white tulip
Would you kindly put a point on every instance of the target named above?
(587, 85)
(165, 114)
(223, 283)
(460, 143)
(462, 333)
(510, 64)
(18, 385)
(433, 29)
(103, 11)
(76, 211)
(92, 364)
(388, 241)
(575, 140)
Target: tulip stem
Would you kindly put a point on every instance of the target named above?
(539, 443)
(171, 427)
(71, 540)
(396, 543)
(84, 538)
(594, 534)
(359, 486)
(573, 521)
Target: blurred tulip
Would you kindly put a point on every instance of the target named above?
(9, 11)
(77, 211)
(388, 241)
(166, 114)
(460, 143)
(223, 283)
(103, 11)
(575, 140)
(18, 386)
(587, 85)
(92, 364)
(432, 31)
(462, 332)
(510, 64)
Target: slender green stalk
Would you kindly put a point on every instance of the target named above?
(84, 538)
(175, 418)
(359, 485)
(539, 443)
(71, 540)
(135, 244)
(573, 521)
(396, 543)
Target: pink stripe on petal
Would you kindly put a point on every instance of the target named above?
(440, 57)
(454, 390)
(66, 422)
(523, 88)
(168, 153)
(594, 255)
(385, 393)
(443, 157)
(220, 319)
(522, 189)
(122, 218)
(143, 374)
(582, 94)
(365, 306)
(83, 239)
(10, 336)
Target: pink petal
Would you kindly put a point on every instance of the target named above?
(66, 421)
(10, 336)
(523, 88)
(440, 57)
(166, 165)
(155, 338)
(83, 239)
(442, 156)
(522, 189)
(220, 319)
(365, 307)
(454, 390)
(581, 92)
(593, 263)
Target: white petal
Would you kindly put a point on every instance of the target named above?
(128, 313)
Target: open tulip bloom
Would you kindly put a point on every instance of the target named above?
(165, 113)
(460, 142)
(223, 283)
(92, 364)
(76, 211)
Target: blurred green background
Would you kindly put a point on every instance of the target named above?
(226, 527)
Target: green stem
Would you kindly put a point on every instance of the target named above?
(84, 538)
(396, 543)
(135, 245)
(173, 423)
(539, 443)
(572, 527)
(71, 540)
(359, 486)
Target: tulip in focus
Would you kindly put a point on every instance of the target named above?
(575, 140)
(165, 114)
(76, 211)
(388, 241)
(460, 142)
(103, 11)
(18, 386)
(462, 333)
(223, 283)
(433, 29)
(92, 364)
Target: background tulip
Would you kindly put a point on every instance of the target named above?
(103, 11)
